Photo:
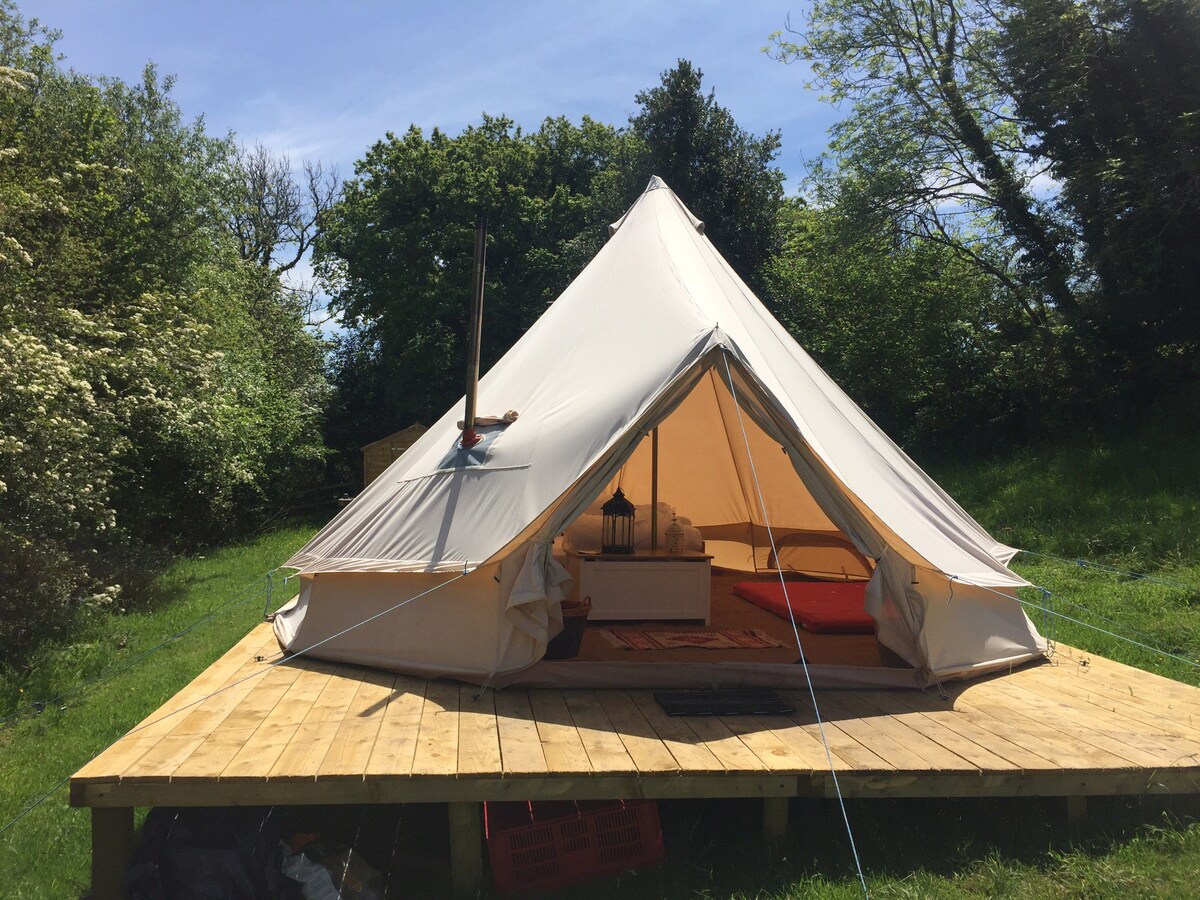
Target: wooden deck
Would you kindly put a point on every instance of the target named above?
(312, 732)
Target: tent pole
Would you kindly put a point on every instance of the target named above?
(654, 489)
(470, 437)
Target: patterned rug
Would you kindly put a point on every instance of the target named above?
(727, 639)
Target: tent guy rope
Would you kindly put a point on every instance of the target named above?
(796, 631)
(87, 686)
(35, 804)
(291, 656)
(268, 667)
(1113, 570)
(1058, 615)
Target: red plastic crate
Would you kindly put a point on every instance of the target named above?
(534, 846)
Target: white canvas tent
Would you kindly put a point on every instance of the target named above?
(657, 331)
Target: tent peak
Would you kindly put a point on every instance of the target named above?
(656, 183)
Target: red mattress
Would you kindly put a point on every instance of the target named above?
(829, 607)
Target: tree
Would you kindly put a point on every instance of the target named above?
(721, 171)
(156, 393)
(932, 142)
(398, 250)
(910, 330)
(1110, 89)
(962, 107)
(273, 215)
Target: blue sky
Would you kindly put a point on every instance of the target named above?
(325, 80)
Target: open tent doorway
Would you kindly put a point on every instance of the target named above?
(745, 518)
(737, 487)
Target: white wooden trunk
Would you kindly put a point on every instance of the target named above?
(642, 587)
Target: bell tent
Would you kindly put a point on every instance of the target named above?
(454, 558)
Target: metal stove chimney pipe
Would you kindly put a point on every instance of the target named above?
(470, 437)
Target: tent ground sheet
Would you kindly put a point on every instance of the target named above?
(732, 613)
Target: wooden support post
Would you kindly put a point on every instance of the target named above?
(1076, 817)
(775, 819)
(654, 489)
(466, 849)
(112, 845)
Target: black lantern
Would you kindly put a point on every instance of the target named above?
(616, 535)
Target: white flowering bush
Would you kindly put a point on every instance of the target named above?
(156, 391)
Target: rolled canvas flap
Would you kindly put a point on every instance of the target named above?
(534, 603)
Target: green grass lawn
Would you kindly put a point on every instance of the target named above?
(46, 854)
(1133, 505)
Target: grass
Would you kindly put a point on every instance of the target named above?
(918, 849)
(46, 854)
(1132, 503)
(983, 848)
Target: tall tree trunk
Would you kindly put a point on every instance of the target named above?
(1013, 205)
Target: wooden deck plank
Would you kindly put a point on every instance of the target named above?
(178, 736)
(1001, 715)
(478, 732)
(900, 746)
(259, 641)
(259, 754)
(1151, 728)
(1140, 715)
(1132, 687)
(1013, 744)
(1101, 729)
(520, 744)
(941, 724)
(562, 748)
(1131, 679)
(206, 711)
(921, 751)
(396, 745)
(304, 753)
(807, 744)
(605, 751)
(210, 758)
(976, 755)
(173, 750)
(725, 745)
(853, 754)
(557, 786)
(310, 731)
(437, 739)
(1148, 707)
(642, 743)
(761, 736)
(355, 738)
(163, 757)
(126, 750)
(681, 741)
